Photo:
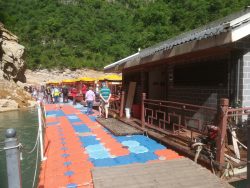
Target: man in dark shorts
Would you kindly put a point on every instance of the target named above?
(65, 93)
(105, 95)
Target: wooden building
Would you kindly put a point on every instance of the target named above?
(192, 82)
(199, 67)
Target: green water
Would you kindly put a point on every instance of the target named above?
(240, 184)
(25, 122)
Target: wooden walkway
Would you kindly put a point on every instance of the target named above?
(177, 173)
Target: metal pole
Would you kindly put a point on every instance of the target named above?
(142, 110)
(40, 129)
(248, 157)
(12, 159)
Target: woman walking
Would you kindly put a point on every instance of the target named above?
(89, 99)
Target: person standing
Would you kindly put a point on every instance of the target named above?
(48, 95)
(97, 93)
(89, 99)
(65, 93)
(84, 90)
(35, 93)
(74, 93)
(105, 95)
(56, 95)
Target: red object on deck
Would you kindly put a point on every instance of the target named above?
(136, 111)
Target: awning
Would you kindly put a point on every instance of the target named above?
(69, 81)
(53, 82)
(86, 79)
(111, 77)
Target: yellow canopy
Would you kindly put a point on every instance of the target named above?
(53, 82)
(101, 78)
(113, 77)
(86, 79)
(69, 81)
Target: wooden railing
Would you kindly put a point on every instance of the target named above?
(117, 104)
(231, 118)
(173, 116)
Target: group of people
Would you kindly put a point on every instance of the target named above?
(104, 96)
(53, 94)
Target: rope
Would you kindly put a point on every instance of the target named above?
(34, 178)
(19, 146)
(229, 165)
(198, 150)
(212, 166)
(211, 162)
(37, 138)
(13, 147)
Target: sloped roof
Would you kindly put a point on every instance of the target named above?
(215, 28)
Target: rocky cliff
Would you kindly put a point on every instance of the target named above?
(12, 66)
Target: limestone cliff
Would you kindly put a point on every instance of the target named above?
(12, 66)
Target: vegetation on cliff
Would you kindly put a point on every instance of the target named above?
(93, 33)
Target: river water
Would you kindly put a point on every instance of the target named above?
(26, 123)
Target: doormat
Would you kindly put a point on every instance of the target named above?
(117, 127)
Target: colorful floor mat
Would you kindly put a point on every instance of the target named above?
(75, 143)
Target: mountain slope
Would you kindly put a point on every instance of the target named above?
(93, 33)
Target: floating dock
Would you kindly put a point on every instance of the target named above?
(79, 149)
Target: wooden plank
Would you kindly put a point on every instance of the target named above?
(176, 173)
(235, 144)
(131, 94)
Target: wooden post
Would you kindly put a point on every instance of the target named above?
(122, 104)
(220, 143)
(183, 123)
(142, 110)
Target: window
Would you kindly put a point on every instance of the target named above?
(201, 74)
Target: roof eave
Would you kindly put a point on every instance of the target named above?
(211, 36)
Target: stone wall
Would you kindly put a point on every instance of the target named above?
(245, 80)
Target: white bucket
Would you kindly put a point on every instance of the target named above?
(127, 112)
